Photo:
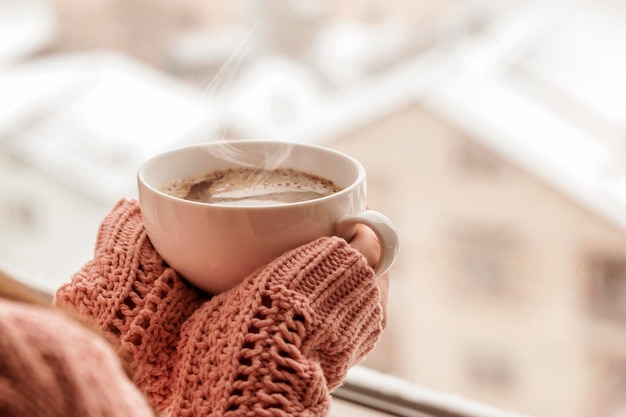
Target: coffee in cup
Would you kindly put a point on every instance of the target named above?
(214, 246)
(251, 186)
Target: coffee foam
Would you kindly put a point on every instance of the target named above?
(248, 186)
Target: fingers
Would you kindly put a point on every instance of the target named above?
(366, 242)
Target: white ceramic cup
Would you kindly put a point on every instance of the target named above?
(215, 246)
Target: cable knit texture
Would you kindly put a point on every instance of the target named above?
(51, 366)
(275, 345)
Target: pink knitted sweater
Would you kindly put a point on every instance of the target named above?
(275, 345)
(51, 366)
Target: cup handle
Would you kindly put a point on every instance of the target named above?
(384, 229)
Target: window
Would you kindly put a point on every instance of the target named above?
(476, 160)
(607, 286)
(483, 261)
(490, 369)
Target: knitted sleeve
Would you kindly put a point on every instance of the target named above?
(51, 366)
(275, 345)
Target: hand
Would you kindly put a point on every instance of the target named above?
(366, 242)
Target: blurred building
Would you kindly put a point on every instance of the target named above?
(511, 283)
(508, 290)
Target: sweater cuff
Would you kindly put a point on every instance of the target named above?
(333, 292)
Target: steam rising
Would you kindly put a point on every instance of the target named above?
(259, 172)
(217, 91)
(229, 151)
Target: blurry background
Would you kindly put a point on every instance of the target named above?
(493, 132)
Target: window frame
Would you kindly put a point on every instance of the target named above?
(397, 397)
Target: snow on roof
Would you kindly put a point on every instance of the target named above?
(25, 27)
(492, 98)
(91, 118)
(347, 49)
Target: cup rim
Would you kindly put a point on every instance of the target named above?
(355, 183)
